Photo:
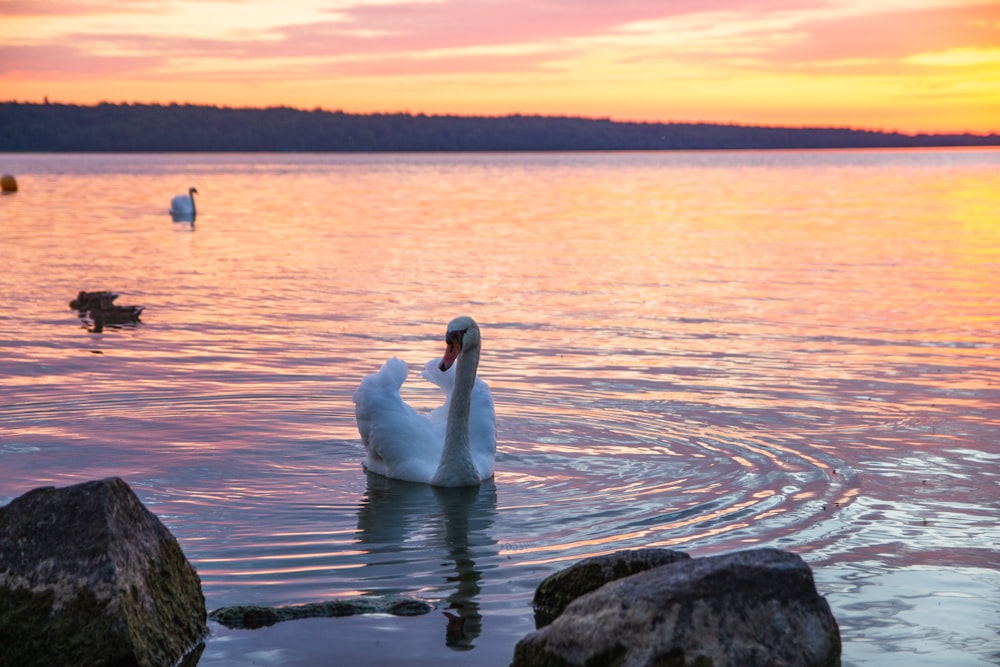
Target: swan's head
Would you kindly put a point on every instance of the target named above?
(192, 191)
(463, 334)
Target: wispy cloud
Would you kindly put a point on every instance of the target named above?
(626, 48)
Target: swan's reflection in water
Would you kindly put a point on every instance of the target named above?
(396, 517)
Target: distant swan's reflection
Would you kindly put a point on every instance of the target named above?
(454, 520)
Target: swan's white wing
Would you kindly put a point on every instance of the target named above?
(483, 429)
(399, 441)
(181, 205)
(445, 380)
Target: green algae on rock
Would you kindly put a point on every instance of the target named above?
(253, 616)
(89, 576)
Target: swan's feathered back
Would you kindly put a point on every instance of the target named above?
(182, 206)
(405, 444)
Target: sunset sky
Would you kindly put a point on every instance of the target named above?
(908, 65)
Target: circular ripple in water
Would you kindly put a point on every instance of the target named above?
(630, 474)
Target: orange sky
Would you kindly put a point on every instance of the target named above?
(909, 65)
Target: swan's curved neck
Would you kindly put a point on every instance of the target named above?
(456, 467)
(194, 212)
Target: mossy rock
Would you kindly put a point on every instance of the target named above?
(89, 576)
(561, 588)
(252, 616)
(754, 608)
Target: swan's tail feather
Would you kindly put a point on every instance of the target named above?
(377, 393)
(394, 372)
(390, 377)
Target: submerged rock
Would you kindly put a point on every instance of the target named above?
(89, 576)
(252, 616)
(561, 588)
(747, 609)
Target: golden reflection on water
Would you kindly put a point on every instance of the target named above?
(695, 351)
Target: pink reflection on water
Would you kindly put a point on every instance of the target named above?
(693, 351)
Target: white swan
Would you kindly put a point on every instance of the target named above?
(452, 445)
(182, 206)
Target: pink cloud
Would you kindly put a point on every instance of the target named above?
(893, 35)
(62, 8)
(406, 28)
(461, 23)
(405, 37)
(69, 61)
(75, 56)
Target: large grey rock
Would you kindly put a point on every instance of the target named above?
(747, 609)
(589, 574)
(89, 576)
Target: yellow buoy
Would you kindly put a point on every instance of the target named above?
(8, 183)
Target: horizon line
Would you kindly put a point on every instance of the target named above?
(47, 102)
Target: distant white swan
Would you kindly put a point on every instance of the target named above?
(452, 445)
(182, 206)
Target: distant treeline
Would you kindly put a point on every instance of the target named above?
(159, 128)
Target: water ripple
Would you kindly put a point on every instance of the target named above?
(805, 357)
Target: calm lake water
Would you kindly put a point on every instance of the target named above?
(698, 351)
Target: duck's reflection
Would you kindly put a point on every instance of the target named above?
(455, 521)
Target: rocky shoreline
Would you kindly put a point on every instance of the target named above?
(89, 576)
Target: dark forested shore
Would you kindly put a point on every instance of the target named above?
(157, 128)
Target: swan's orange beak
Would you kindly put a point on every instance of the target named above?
(452, 351)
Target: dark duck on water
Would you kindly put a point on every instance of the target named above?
(101, 309)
